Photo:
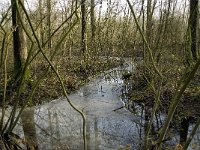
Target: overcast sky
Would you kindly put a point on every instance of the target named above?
(33, 3)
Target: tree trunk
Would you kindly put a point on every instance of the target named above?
(19, 41)
(193, 25)
(49, 23)
(83, 29)
(99, 29)
(93, 27)
(41, 16)
(148, 25)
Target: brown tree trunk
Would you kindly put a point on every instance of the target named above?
(19, 41)
(93, 27)
(41, 16)
(49, 23)
(149, 20)
(193, 25)
(83, 29)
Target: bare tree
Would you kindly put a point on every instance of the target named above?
(49, 22)
(193, 25)
(93, 27)
(41, 16)
(19, 40)
(83, 29)
(150, 11)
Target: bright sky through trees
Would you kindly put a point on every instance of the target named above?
(121, 4)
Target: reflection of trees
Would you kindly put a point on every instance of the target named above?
(54, 129)
(92, 138)
(88, 134)
(28, 124)
(158, 123)
(184, 125)
(96, 133)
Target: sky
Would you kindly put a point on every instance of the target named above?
(33, 3)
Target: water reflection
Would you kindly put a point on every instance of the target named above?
(184, 126)
(28, 124)
(56, 126)
(177, 134)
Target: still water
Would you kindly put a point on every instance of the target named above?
(110, 126)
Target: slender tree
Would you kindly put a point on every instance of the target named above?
(193, 25)
(149, 20)
(49, 22)
(99, 31)
(83, 29)
(93, 27)
(19, 40)
(41, 16)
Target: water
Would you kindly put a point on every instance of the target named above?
(56, 125)
(110, 125)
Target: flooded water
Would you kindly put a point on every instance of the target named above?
(109, 125)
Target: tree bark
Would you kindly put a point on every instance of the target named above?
(41, 16)
(93, 27)
(49, 22)
(149, 20)
(193, 25)
(19, 40)
(83, 29)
